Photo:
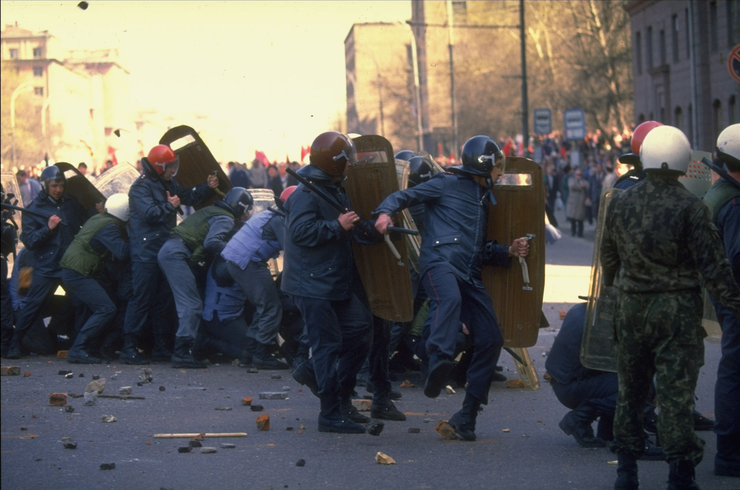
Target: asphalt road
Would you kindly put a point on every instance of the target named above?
(520, 445)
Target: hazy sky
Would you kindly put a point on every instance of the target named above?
(263, 69)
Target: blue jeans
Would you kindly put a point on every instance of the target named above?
(174, 260)
(259, 287)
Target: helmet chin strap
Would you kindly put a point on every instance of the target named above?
(489, 183)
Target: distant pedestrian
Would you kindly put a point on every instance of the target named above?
(576, 207)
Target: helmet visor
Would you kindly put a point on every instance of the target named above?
(174, 166)
(497, 160)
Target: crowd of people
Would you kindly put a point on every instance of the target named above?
(143, 288)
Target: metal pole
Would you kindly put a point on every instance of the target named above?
(452, 78)
(525, 102)
(692, 61)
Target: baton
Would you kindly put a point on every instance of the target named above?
(398, 229)
(32, 213)
(721, 172)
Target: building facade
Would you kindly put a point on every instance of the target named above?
(679, 54)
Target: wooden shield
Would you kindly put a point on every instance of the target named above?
(520, 210)
(196, 162)
(386, 279)
(79, 187)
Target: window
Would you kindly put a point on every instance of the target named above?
(713, 34)
(731, 19)
(718, 126)
(649, 47)
(37, 52)
(38, 90)
(638, 52)
(13, 54)
(678, 118)
(38, 71)
(674, 25)
(661, 40)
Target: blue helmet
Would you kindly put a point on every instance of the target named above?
(479, 155)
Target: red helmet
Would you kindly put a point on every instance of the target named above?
(638, 136)
(331, 151)
(287, 192)
(160, 156)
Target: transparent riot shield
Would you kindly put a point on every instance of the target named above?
(263, 199)
(117, 179)
(598, 348)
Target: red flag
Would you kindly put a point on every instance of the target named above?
(507, 147)
(440, 151)
(112, 155)
(259, 155)
(305, 151)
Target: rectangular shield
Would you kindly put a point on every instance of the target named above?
(196, 161)
(385, 277)
(520, 210)
(79, 187)
(117, 179)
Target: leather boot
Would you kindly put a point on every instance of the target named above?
(182, 357)
(108, 349)
(80, 353)
(305, 375)
(681, 476)
(349, 411)
(161, 350)
(14, 349)
(383, 408)
(263, 358)
(247, 356)
(464, 421)
(582, 432)
(130, 352)
(332, 420)
(626, 473)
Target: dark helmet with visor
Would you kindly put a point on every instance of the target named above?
(479, 156)
(239, 200)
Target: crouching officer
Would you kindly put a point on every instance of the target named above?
(101, 236)
(155, 198)
(659, 246)
(198, 238)
(48, 238)
(320, 274)
(247, 253)
(453, 250)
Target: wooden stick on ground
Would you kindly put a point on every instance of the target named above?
(196, 434)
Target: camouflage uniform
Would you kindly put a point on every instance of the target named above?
(658, 243)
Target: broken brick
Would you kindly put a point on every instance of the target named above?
(362, 405)
(407, 384)
(383, 458)
(247, 401)
(446, 430)
(10, 371)
(515, 383)
(58, 399)
(263, 422)
(62, 354)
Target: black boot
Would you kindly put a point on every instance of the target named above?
(182, 357)
(332, 420)
(464, 421)
(130, 352)
(247, 355)
(349, 411)
(305, 375)
(626, 473)
(383, 408)
(161, 350)
(583, 433)
(108, 349)
(263, 358)
(439, 372)
(80, 353)
(14, 349)
(681, 476)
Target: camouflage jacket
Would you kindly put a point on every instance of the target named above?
(659, 237)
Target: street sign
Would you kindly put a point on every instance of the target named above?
(542, 121)
(575, 124)
(733, 63)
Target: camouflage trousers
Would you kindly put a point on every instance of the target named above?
(659, 335)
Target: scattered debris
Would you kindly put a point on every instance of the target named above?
(125, 390)
(426, 421)
(195, 444)
(10, 371)
(69, 408)
(162, 388)
(62, 354)
(362, 405)
(97, 385)
(83, 6)
(300, 463)
(91, 398)
(375, 428)
(247, 401)
(289, 428)
(414, 430)
(273, 395)
(407, 384)
(58, 399)
(199, 436)
(507, 430)
(24, 429)
(81, 375)
(256, 408)
(263, 422)
(108, 466)
(70, 445)
(69, 376)
(276, 376)
(383, 458)
(207, 450)
(449, 390)
(301, 427)
(224, 409)
(95, 377)
(446, 430)
(515, 383)
(252, 370)
(63, 372)
(108, 419)
(146, 375)
(185, 449)
(139, 384)
(614, 462)
(227, 445)
(286, 388)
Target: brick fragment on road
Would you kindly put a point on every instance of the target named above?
(273, 395)
(10, 371)
(256, 408)
(362, 405)
(300, 462)
(383, 458)
(263, 422)
(90, 398)
(185, 449)
(96, 385)
(414, 430)
(62, 354)
(515, 383)
(59, 399)
(207, 450)
(407, 384)
(227, 445)
(446, 430)
(108, 466)
(247, 401)
(70, 445)
(195, 444)
(108, 419)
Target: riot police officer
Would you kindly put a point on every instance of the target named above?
(453, 250)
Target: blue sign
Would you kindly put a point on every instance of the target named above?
(575, 124)
(542, 121)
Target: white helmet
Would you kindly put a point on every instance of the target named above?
(728, 145)
(117, 205)
(666, 148)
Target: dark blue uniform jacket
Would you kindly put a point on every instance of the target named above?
(152, 216)
(48, 245)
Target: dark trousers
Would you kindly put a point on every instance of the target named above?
(6, 330)
(230, 336)
(378, 359)
(590, 398)
(340, 335)
(259, 287)
(151, 296)
(454, 301)
(174, 260)
(88, 291)
(41, 288)
(727, 391)
(576, 227)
